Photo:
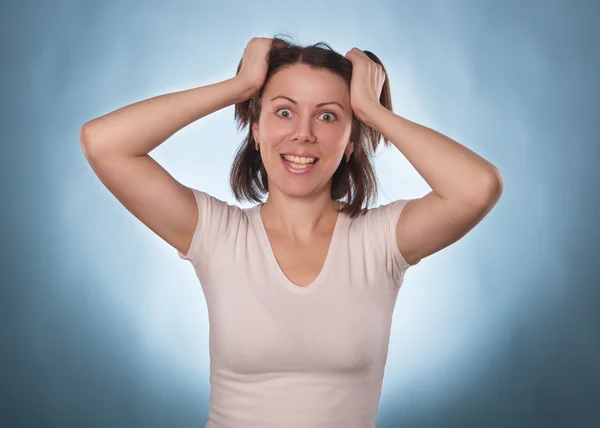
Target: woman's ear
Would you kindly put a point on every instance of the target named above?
(255, 132)
(349, 148)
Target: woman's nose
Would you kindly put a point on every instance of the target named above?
(304, 130)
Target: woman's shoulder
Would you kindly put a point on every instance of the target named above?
(380, 215)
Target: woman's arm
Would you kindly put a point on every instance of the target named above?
(139, 128)
(465, 186)
(117, 147)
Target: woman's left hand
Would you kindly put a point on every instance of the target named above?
(366, 84)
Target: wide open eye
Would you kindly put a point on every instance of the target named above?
(283, 117)
(332, 116)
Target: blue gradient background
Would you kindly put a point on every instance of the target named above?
(101, 325)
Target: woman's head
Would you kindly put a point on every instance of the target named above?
(288, 115)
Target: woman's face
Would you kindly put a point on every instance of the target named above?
(304, 111)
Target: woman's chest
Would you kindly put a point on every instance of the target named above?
(258, 334)
(300, 263)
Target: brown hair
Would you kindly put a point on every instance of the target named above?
(356, 180)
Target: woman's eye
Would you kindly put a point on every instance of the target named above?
(283, 109)
(331, 117)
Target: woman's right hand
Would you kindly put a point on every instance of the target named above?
(252, 70)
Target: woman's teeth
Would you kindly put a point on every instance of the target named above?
(299, 165)
(298, 162)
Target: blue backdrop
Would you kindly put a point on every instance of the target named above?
(102, 325)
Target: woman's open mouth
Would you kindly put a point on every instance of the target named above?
(297, 165)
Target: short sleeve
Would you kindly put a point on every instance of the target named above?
(215, 217)
(383, 222)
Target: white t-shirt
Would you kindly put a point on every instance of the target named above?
(288, 356)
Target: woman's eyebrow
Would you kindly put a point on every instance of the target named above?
(318, 105)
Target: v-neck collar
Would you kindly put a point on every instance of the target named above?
(264, 238)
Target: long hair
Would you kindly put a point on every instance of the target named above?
(353, 183)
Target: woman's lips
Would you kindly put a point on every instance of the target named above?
(295, 171)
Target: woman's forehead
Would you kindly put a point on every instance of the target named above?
(307, 85)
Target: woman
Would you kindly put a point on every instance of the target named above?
(300, 288)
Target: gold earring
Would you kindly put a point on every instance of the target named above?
(257, 146)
